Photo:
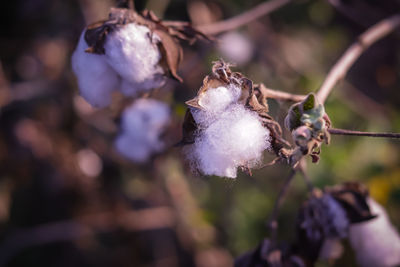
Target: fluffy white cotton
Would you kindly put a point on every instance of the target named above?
(218, 99)
(130, 64)
(214, 101)
(236, 47)
(141, 126)
(133, 53)
(231, 135)
(376, 242)
(96, 79)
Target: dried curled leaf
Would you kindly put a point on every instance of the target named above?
(189, 129)
(169, 34)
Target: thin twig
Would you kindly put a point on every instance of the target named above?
(302, 167)
(273, 220)
(280, 95)
(242, 19)
(359, 133)
(273, 162)
(365, 40)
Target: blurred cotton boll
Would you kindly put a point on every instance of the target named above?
(96, 79)
(130, 64)
(376, 242)
(236, 47)
(133, 53)
(141, 127)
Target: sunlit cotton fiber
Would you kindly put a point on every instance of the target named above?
(231, 135)
(213, 102)
(376, 242)
(141, 127)
(130, 64)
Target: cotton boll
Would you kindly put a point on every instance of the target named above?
(141, 127)
(376, 242)
(236, 138)
(236, 47)
(96, 79)
(133, 53)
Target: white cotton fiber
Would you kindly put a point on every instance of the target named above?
(96, 79)
(376, 242)
(217, 99)
(230, 135)
(133, 53)
(213, 102)
(141, 126)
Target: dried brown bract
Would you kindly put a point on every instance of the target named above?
(353, 198)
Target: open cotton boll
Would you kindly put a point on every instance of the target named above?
(236, 138)
(96, 79)
(141, 126)
(376, 242)
(133, 53)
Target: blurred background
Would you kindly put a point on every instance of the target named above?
(68, 199)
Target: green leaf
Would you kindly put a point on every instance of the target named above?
(309, 102)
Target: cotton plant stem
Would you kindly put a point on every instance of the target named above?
(365, 40)
(244, 18)
(273, 220)
(359, 133)
(302, 167)
(280, 95)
